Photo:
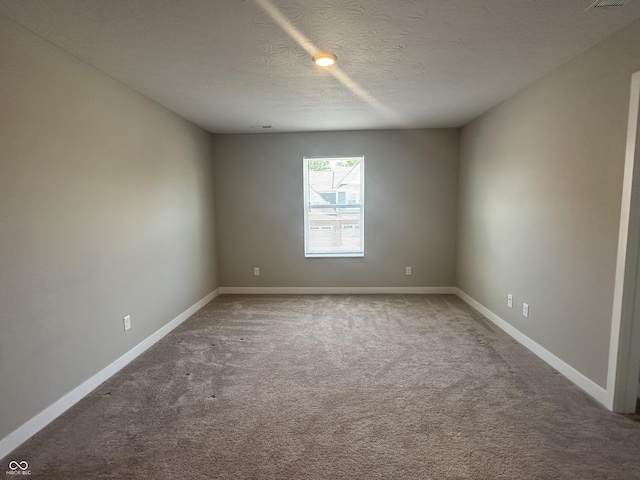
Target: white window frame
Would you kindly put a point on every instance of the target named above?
(305, 169)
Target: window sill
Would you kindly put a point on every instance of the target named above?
(334, 255)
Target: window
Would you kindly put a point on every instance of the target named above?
(334, 207)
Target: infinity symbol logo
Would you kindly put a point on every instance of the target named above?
(13, 465)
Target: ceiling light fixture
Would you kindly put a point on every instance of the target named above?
(325, 59)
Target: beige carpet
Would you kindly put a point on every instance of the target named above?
(337, 387)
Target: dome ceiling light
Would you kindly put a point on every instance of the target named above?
(325, 59)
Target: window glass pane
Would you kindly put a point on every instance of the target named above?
(330, 197)
(333, 206)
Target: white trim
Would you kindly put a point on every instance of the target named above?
(49, 414)
(622, 350)
(593, 389)
(333, 290)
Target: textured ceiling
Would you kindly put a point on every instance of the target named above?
(228, 65)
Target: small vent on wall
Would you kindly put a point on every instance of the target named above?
(261, 127)
(609, 3)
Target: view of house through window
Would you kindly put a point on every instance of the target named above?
(334, 207)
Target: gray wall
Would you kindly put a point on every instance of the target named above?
(410, 209)
(106, 209)
(540, 193)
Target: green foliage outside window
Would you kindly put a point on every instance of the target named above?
(319, 165)
(325, 165)
(348, 163)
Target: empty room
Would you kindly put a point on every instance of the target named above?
(331, 239)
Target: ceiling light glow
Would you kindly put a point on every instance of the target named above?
(325, 59)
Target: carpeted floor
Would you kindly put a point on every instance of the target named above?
(337, 387)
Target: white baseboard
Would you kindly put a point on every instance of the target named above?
(592, 388)
(49, 414)
(334, 290)
(37, 423)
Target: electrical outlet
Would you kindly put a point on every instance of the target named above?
(256, 271)
(407, 270)
(127, 322)
(509, 300)
(525, 309)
